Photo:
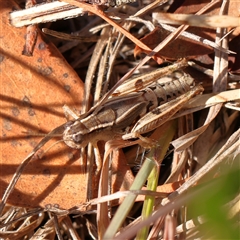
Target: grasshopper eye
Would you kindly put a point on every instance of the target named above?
(77, 138)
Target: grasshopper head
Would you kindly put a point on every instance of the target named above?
(74, 135)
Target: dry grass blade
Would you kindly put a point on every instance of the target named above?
(195, 38)
(220, 74)
(198, 21)
(24, 225)
(207, 100)
(230, 148)
(69, 37)
(46, 232)
(44, 13)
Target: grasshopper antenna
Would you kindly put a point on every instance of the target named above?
(52, 146)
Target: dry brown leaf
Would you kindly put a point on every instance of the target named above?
(33, 91)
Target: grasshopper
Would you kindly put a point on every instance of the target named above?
(148, 109)
(144, 109)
